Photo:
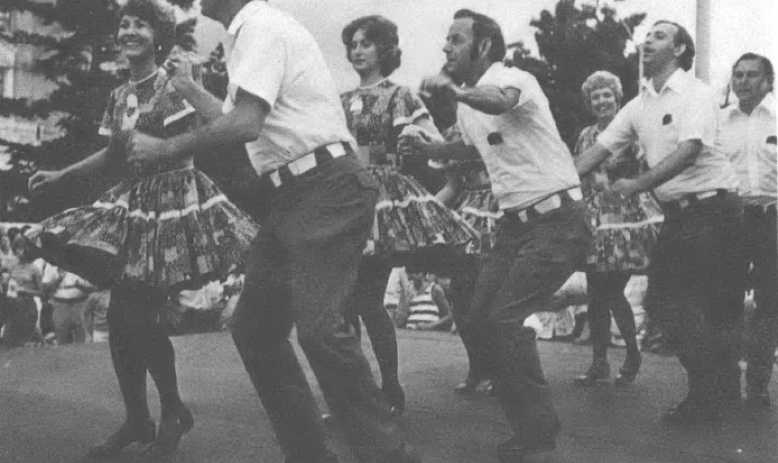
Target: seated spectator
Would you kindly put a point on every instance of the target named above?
(24, 284)
(69, 303)
(425, 307)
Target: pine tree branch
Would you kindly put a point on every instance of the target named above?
(45, 11)
(24, 108)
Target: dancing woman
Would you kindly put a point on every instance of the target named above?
(164, 227)
(408, 217)
(625, 230)
(469, 192)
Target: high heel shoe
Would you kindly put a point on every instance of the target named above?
(598, 372)
(395, 396)
(170, 432)
(628, 371)
(468, 386)
(126, 435)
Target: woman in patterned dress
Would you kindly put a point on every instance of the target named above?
(625, 229)
(408, 217)
(469, 192)
(163, 228)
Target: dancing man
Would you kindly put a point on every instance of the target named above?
(543, 235)
(748, 131)
(697, 273)
(302, 267)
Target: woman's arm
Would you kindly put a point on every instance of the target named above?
(450, 190)
(208, 107)
(45, 179)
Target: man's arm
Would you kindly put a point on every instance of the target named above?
(489, 99)
(590, 159)
(241, 125)
(208, 107)
(675, 163)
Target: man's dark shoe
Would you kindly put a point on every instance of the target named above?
(690, 412)
(518, 447)
(404, 454)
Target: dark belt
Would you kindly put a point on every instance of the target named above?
(319, 156)
(693, 199)
(544, 206)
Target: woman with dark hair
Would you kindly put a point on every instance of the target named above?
(408, 218)
(165, 227)
(624, 231)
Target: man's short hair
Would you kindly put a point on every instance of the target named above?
(682, 37)
(485, 27)
(767, 65)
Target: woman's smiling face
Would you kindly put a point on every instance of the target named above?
(136, 38)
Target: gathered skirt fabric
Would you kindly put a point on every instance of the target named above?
(408, 218)
(170, 230)
(625, 231)
(479, 208)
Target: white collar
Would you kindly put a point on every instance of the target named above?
(677, 81)
(767, 104)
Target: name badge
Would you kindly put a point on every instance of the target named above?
(771, 140)
(667, 119)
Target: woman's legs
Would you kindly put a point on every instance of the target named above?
(369, 299)
(606, 295)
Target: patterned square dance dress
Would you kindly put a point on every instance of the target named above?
(166, 224)
(624, 229)
(408, 217)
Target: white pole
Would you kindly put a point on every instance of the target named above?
(702, 61)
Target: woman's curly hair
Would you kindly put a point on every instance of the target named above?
(380, 31)
(598, 80)
(162, 20)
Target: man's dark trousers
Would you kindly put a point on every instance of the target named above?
(696, 283)
(301, 271)
(761, 249)
(530, 261)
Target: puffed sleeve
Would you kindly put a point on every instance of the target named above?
(407, 108)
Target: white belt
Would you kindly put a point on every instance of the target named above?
(546, 205)
(305, 163)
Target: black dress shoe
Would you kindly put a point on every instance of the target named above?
(519, 446)
(598, 372)
(628, 371)
(126, 435)
(467, 387)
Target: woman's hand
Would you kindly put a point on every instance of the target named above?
(44, 180)
(181, 69)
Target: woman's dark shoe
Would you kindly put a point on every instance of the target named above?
(518, 447)
(629, 370)
(598, 372)
(171, 430)
(468, 386)
(489, 389)
(126, 435)
(395, 396)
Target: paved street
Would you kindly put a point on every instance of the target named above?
(56, 402)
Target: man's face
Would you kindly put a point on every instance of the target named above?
(750, 82)
(458, 49)
(659, 47)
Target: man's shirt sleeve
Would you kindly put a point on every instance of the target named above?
(263, 60)
(621, 132)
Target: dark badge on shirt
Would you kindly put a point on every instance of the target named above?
(667, 119)
(494, 138)
(771, 140)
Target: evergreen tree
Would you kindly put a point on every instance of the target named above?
(79, 63)
(573, 43)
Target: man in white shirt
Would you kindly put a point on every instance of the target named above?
(697, 272)
(748, 136)
(506, 120)
(283, 104)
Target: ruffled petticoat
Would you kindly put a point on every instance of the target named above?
(169, 230)
(408, 218)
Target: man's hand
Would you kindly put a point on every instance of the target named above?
(142, 149)
(624, 187)
(413, 142)
(440, 84)
(44, 180)
(182, 67)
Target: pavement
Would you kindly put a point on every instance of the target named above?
(55, 402)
